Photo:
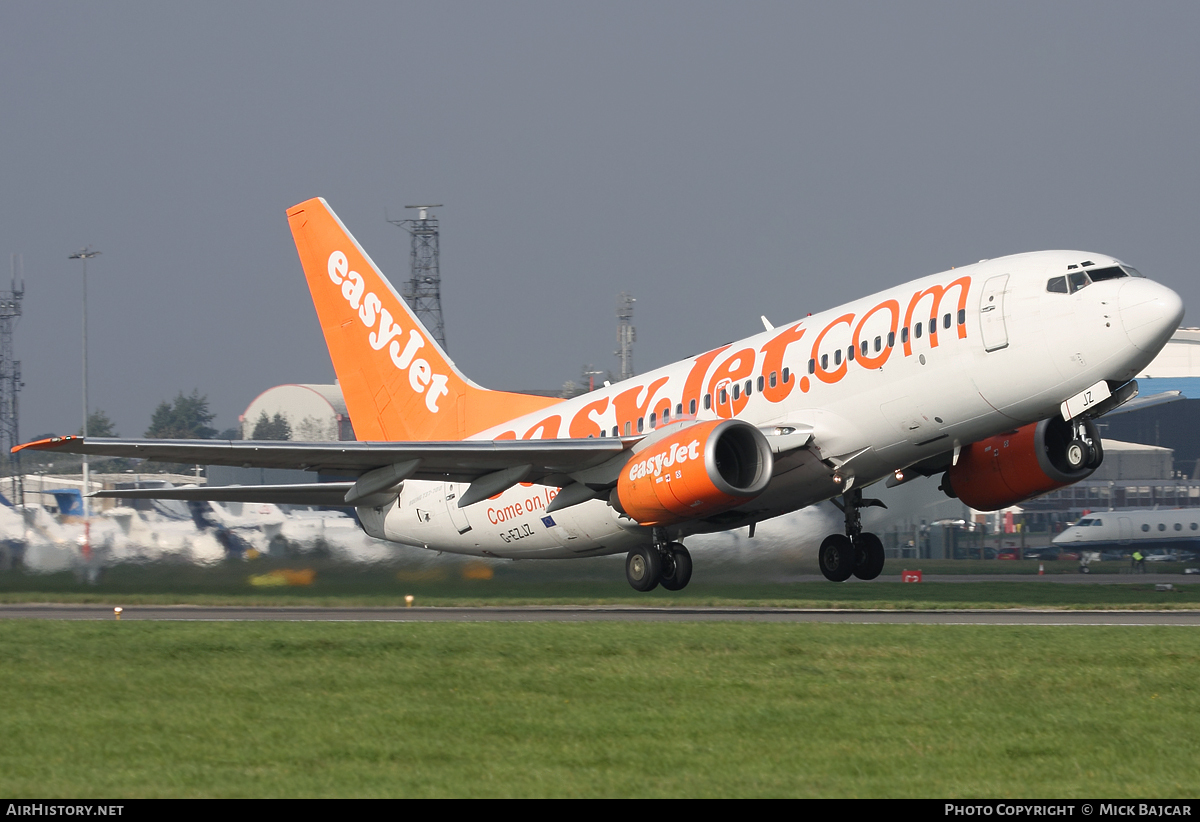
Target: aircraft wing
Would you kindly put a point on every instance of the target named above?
(458, 461)
(583, 468)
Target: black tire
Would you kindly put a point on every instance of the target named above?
(1097, 454)
(836, 557)
(677, 573)
(1078, 455)
(868, 557)
(643, 568)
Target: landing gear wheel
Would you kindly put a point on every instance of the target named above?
(868, 556)
(1097, 454)
(836, 557)
(643, 568)
(677, 570)
(1078, 455)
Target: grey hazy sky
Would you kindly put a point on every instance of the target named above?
(718, 160)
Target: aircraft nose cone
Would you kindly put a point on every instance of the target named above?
(1150, 313)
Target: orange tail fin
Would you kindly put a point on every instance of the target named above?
(398, 383)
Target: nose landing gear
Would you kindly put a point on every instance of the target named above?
(855, 553)
(1084, 450)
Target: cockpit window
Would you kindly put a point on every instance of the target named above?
(1078, 280)
(1133, 272)
(1057, 285)
(1110, 273)
(1083, 522)
(1098, 522)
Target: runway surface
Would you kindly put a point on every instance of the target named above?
(188, 613)
(1064, 579)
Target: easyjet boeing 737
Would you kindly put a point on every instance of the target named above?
(988, 375)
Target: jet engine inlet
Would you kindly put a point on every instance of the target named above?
(700, 470)
(1012, 467)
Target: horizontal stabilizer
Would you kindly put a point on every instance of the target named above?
(308, 493)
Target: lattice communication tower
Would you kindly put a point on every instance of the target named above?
(626, 334)
(423, 291)
(10, 380)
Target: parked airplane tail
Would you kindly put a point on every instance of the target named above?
(398, 383)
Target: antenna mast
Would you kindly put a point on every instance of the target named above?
(626, 334)
(423, 291)
(10, 379)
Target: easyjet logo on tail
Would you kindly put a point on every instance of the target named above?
(385, 332)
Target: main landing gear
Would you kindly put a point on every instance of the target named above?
(856, 552)
(664, 563)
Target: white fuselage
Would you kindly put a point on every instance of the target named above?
(1141, 528)
(1007, 351)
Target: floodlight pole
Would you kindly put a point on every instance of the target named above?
(85, 254)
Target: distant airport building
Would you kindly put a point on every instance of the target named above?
(1173, 425)
(315, 413)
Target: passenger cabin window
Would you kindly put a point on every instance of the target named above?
(866, 347)
(723, 397)
(962, 316)
(1057, 285)
(850, 353)
(891, 338)
(692, 404)
(824, 362)
(707, 401)
(837, 357)
(761, 384)
(628, 426)
(749, 383)
(775, 379)
(812, 369)
(878, 345)
(917, 331)
(787, 376)
(933, 325)
(946, 321)
(652, 418)
(904, 334)
(679, 409)
(736, 393)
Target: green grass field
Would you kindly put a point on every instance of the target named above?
(127, 709)
(575, 582)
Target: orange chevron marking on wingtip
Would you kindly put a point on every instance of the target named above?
(44, 445)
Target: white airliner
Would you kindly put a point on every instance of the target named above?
(989, 374)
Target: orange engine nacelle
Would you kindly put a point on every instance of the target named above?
(1010, 468)
(700, 470)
